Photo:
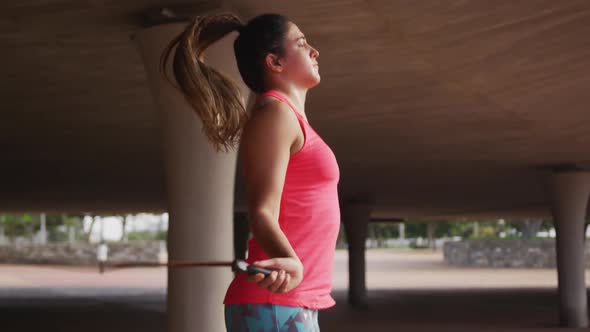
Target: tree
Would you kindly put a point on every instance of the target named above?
(415, 229)
(124, 226)
(528, 228)
(92, 222)
(19, 225)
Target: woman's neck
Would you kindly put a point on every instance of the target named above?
(295, 95)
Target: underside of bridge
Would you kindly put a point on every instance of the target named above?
(433, 109)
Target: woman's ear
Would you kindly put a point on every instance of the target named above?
(273, 63)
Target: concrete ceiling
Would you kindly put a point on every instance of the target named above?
(433, 109)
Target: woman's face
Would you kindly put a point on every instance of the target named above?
(300, 60)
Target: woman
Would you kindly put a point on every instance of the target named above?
(291, 174)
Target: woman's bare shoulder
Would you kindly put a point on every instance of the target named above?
(271, 113)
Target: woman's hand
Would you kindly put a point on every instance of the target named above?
(287, 275)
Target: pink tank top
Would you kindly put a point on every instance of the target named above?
(310, 218)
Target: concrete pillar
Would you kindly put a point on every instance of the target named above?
(200, 186)
(355, 217)
(43, 230)
(241, 234)
(2, 235)
(402, 231)
(430, 234)
(71, 234)
(101, 229)
(570, 194)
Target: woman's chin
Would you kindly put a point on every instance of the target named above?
(317, 79)
(311, 81)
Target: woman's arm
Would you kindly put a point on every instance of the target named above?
(266, 148)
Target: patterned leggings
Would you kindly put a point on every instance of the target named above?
(270, 318)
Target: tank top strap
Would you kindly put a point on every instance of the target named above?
(280, 96)
(305, 127)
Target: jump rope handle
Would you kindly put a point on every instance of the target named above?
(241, 266)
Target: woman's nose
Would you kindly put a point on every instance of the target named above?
(315, 53)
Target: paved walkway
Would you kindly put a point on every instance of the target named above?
(386, 269)
(408, 291)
